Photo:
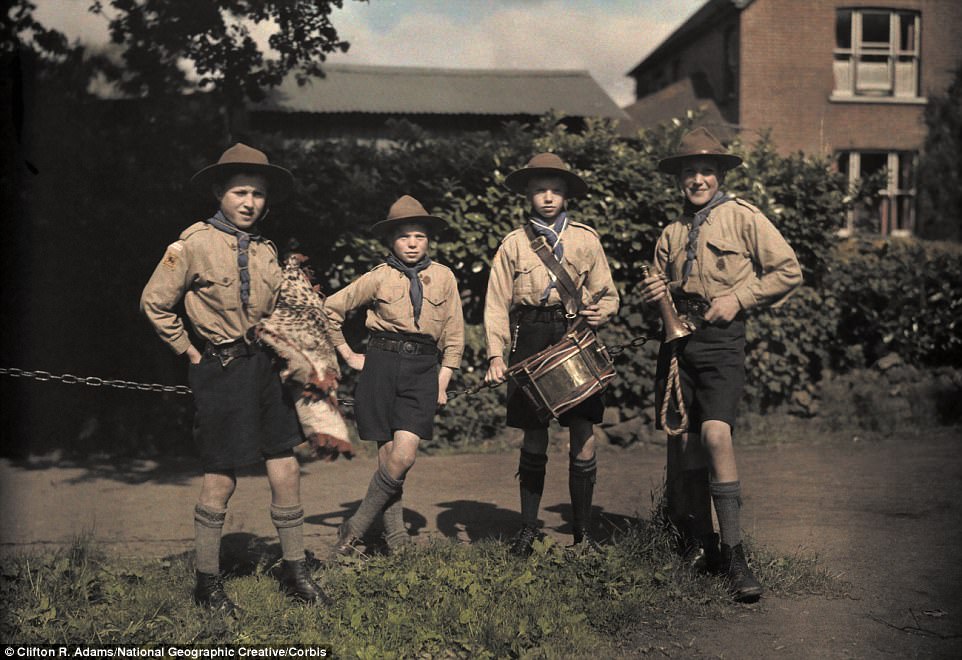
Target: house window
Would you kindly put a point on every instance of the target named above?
(891, 209)
(876, 53)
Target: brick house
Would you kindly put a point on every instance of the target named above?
(845, 79)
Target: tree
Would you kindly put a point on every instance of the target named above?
(940, 166)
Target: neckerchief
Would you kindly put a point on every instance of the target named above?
(218, 221)
(552, 233)
(698, 217)
(417, 289)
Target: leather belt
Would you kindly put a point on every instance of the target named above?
(405, 346)
(230, 351)
(535, 314)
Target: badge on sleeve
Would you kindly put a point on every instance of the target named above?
(171, 256)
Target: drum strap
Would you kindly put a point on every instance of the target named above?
(570, 293)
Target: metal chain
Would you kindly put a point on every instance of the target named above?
(635, 342)
(93, 381)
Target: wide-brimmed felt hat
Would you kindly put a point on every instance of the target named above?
(407, 210)
(546, 164)
(699, 143)
(247, 160)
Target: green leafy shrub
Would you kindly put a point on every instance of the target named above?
(899, 296)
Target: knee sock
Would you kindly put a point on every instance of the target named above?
(394, 531)
(208, 525)
(380, 491)
(727, 499)
(581, 486)
(289, 521)
(531, 469)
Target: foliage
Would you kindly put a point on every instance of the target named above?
(440, 600)
(900, 296)
(940, 166)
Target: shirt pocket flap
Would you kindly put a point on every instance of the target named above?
(391, 293)
(436, 298)
(723, 246)
(220, 278)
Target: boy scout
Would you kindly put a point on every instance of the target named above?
(228, 277)
(414, 317)
(720, 259)
(525, 313)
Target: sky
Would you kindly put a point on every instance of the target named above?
(606, 37)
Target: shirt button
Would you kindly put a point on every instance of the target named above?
(720, 264)
(226, 280)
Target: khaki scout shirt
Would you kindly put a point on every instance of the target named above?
(386, 292)
(519, 277)
(201, 268)
(739, 252)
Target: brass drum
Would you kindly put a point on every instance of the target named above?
(563, 375)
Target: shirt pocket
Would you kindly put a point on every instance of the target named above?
(393, 302)
(725, 260)
(435, 306)
(222, 289)
(526, 279)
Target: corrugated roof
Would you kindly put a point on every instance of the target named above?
(417, 90)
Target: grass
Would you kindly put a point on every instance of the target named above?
(441, 600)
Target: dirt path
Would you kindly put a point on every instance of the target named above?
(886, 516)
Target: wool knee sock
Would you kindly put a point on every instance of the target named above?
(581, 485)
(289, 521)
(531, 470)
(208, 526)
(394, 531)
(727, 499)
(380, 491)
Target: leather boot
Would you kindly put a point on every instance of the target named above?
(521, 545)
(296, 581)
(584, 541)
(742, 584)
(209, 592)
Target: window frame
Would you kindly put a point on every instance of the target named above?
(891, 220)
(898, 80)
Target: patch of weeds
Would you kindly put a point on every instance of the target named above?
(440, 600)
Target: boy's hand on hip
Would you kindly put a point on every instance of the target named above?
(723, 308)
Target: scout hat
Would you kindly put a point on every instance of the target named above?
(546, 164)
(405, 210)
(700, 143)
(243, 159)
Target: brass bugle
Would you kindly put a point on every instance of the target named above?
(674, 327)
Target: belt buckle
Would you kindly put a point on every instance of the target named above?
(408, 347)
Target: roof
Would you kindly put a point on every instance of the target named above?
(708, 15)
(354, 88)
(676, 100)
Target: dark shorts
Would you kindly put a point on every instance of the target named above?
(243, 413)
(711, 365)
(536, 333)
(396, 392)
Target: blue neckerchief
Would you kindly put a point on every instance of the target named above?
(698, 218)
(552, 234)
(417, 289)
(220, 222)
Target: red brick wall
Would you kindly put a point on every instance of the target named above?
(786, 76)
